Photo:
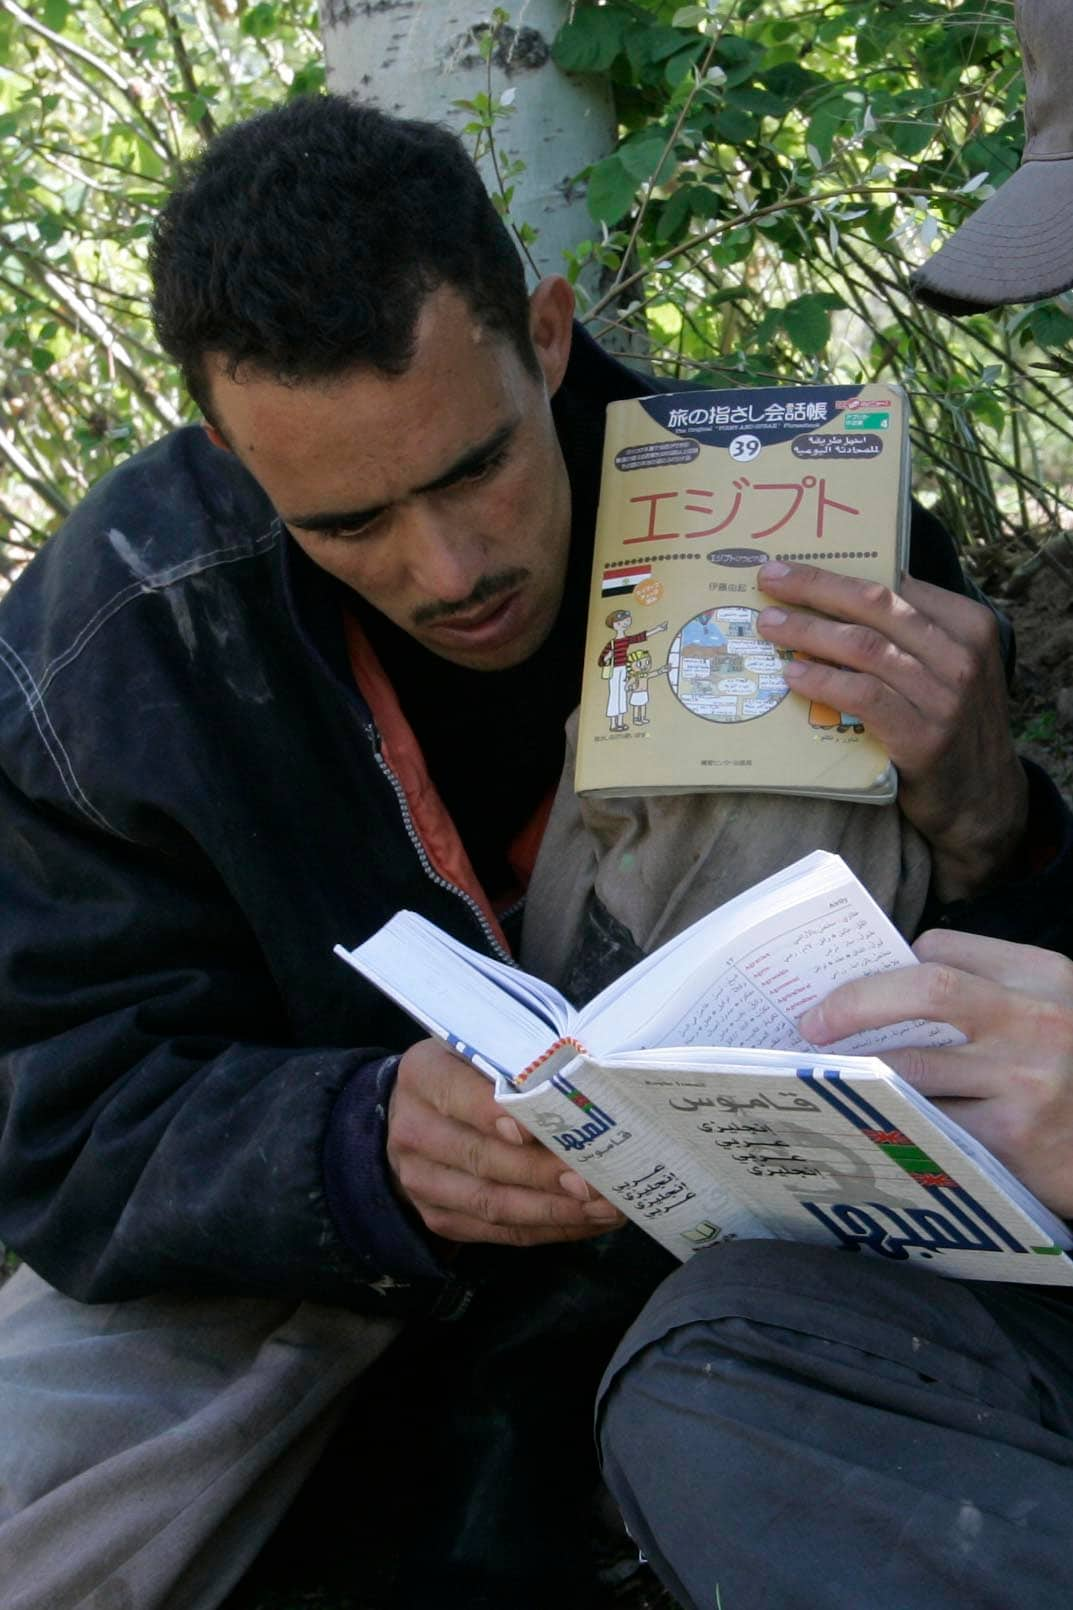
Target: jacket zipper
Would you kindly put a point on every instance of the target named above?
(422, 854)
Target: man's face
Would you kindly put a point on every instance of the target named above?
(440, 495)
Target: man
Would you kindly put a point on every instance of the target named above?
(224, 749)
(792, 1428)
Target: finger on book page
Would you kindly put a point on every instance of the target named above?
(932, 991)
(1040, 973)
(922, 620)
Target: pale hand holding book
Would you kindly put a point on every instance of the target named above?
(649, 1093)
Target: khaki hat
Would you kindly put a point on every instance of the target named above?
(1018, 247)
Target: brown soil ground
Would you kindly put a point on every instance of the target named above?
(1041, 703)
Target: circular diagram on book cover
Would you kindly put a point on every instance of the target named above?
(721, 669)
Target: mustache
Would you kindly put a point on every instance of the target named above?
(487, 588)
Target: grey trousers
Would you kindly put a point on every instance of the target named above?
(791, 1428)
(148, 1448)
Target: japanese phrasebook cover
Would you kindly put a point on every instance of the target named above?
(699, 489)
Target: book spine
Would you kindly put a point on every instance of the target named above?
(551, 1061)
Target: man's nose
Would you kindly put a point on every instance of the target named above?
(444, 557)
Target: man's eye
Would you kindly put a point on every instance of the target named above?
(350, 533)
(480, 472)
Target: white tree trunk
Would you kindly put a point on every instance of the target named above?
(417, 57)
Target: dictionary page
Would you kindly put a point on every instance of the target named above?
(744, 974)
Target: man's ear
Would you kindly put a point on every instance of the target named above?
(551, 326)
(214, 436)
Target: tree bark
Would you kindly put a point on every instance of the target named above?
(416, 58)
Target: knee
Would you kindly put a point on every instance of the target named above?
(704, 1327)
(767, 1333)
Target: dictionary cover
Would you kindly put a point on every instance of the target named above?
(699, 489)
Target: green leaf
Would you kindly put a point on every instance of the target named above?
(259, 21)
(611, 191)
(149, 164)
(42, 358)
(690, 16)
(675, 214)
(733, 51)
(807, 322)
(739, 58)
(49, 228)
(986, 406)
(642, 155)
(784, 28)
(591, 40)
(308, 80)
(1000, 156)
(676, 68)
(789, 81)
(759, 102)
(648, 43)
(54, 14)
(1050, 326)
(911, 137)
(830, 119)
(878, 223)
(769, 324)
(734, 126)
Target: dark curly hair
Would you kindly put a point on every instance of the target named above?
(305, 240)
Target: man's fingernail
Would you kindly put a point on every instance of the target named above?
(771, 617)
(508, 1130)
(774, 568)
(792, 669)
(601, 1210)
(574, 1186)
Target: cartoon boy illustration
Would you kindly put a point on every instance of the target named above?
(614, 657)
(638, 673)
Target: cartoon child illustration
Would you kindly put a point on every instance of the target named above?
(638, 674)
(614, 657)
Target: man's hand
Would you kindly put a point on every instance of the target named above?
(470, 1171)
(1011, 1084)
(922, 670)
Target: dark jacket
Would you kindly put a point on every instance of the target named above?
(194, 810)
